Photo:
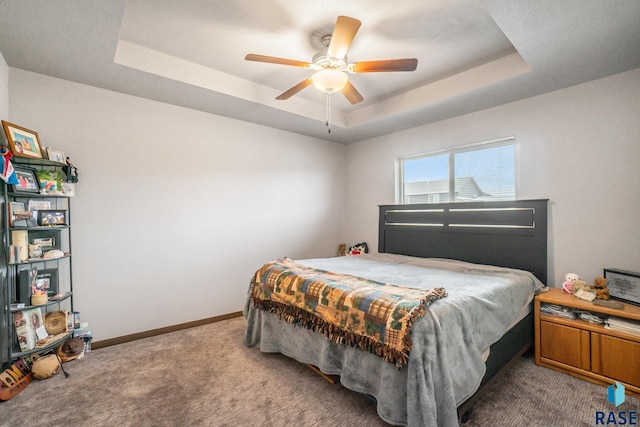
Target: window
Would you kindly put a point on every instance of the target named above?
(478, 172)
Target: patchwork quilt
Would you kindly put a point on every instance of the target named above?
(351, 310)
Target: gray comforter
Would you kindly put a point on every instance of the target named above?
(445, 365)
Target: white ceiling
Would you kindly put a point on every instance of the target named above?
(472, 54)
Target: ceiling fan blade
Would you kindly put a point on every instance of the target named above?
(352, 94)
(297, 88)
(276, 60)
(408, 64)
(343, 34)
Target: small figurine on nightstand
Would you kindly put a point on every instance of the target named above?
(573, 284)
(600, 286)
(569, 279)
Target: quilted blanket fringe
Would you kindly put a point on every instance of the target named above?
(300, 317)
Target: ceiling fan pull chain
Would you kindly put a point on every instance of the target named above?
(328, 122)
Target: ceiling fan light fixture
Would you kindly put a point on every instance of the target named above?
(329, 80)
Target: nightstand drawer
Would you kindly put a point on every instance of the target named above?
(566, 345)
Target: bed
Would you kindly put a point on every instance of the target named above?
(491, 257)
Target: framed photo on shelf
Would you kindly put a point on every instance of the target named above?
(36, 205)
(46, 239)
(23, 142)
(48, 279)
(47, 242)
(52, 217)
(50, 181)
(27, 180)
(623, 285)
(17, 207)
(25, 333)
(19, 215)
(55, 155)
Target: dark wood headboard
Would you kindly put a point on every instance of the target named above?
(506, 234)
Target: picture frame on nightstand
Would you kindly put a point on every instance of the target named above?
(623, 285)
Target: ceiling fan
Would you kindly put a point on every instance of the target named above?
(331, 65)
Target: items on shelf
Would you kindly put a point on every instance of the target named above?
(609, 303)
(590, 317)
(569, 282)
(39, 287)
(557, 310)
(585, 295)
(85, 334)
(571, 313)
(574, 284)
(624, 325)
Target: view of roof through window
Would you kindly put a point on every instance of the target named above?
(485, 172)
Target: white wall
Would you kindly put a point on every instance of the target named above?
(4, 92)
(175, 208)
(578, 147)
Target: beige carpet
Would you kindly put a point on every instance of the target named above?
(206, 376)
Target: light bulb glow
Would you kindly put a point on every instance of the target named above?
(329, 80)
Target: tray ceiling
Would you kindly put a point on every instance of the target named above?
(471, 54)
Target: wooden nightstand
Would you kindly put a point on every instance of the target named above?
(586, 350)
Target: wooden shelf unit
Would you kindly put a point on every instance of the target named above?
(586, 350)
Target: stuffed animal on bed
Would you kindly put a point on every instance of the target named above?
(342, 249)
(568, 285)
(358, 248)
(600, 286)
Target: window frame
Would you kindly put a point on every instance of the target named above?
(451, 152)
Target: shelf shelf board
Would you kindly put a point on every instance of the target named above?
(27, 194)
(37, 162)
(35, 260)
(55, 343)
(41, 227)
(66, 296)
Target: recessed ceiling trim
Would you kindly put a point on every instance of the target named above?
(151, 61)
(484, 75)
(161, 64)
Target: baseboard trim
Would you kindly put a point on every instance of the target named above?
(153, 332)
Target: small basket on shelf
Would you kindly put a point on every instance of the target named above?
(39, 299)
